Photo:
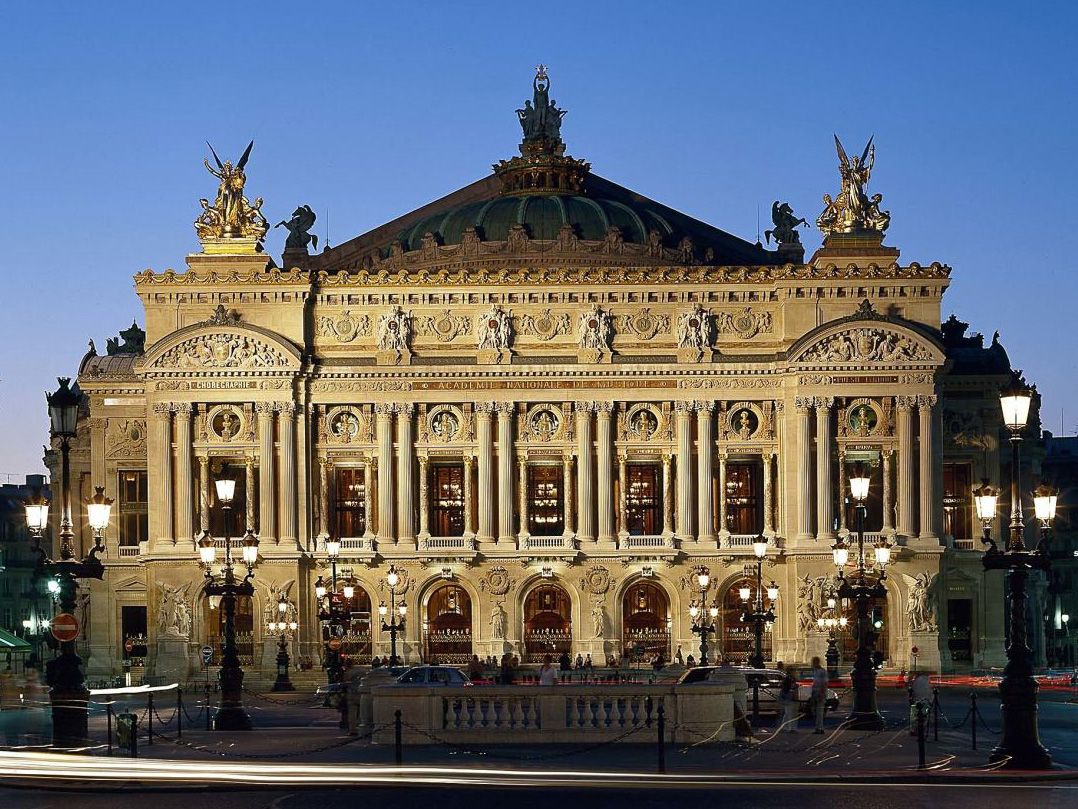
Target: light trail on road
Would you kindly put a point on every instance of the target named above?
(25, 768)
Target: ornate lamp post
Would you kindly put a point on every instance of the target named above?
(863, 587)
(830, 623)
(700, 614)
(328, 612)
(754, 611)
(396, 620)
(63, 674)
(230, 714)
(283, 629)
(1019, 745)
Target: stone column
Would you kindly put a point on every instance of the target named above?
(842, 490)
(888, 491)
(804, 468)
(468, 516)
(769, 495)
(505, 471)
(267, 489)
(368, 497)
(683, 419)
(668, 496)
(724, 530)
(424, 497)
(522, 476)
(249, 490)
(824, 502)
(204, 494)
(323, 496)
(286, 480)
(705, 506)
(384, 427)
(904, 422)
(185, 506)
(159, 473)
(927, 472)
(484, 430)
(567, 492)
(405, 484)
(605, 466)
(585, 487)
(623, 506)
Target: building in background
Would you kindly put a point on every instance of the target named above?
(548, 402)
(25, 603)
(1060, 469)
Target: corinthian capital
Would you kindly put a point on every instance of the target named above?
(384, 409)
(584, 407)
(265, 408)
(905, 402)
(684, 408)
(803, 404)
(604, 408)
(484, 408)
(704, 406)
(926, 402)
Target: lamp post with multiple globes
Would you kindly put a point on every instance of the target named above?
(230, 714)
(63, 674)
(863, 586)
(755, 612)
(704, 618)
(396, 620)
(284, 629)
(829, 622)
(329, 613)
(1019, 745)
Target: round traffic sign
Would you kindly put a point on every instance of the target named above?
(129, 646)
(207, 654)
(334, 644)
(914, 650)
(65, 627)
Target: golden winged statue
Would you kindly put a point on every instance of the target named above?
(231, 216)
(853, 211)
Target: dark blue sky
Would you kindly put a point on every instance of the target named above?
(366, 111)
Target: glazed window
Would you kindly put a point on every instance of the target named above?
(744, 504)
(351, 498)
(447, 501)
(957, 500)
(134, 517)
(643, 500)
(546, 501)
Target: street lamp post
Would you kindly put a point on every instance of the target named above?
(1019, 745)
(230, 714)
(328, 612)
(830, 623)
(396, 620)
(863, 587)
(754, 607)
(283, 628)
(63, 674)
(703, 617)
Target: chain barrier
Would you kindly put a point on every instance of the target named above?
(224, 754)
(985, 724)
(505, 757)
(187, 713)
(302, 703)
(163, 722)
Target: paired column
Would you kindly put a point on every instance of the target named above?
(623, 491)
(204, 494)
(159, 473)
(368, 501)
(928, 478)
(469, 461)
(888, 491)
(724, 530)
(585, 487)
(769, 495)
(383, 420)
(824, 502)
(323, 496)
(184, 498)
(405, 490)
(567, 489)
(803, 405)
(522, 475)
(267, 489)
(249, 470)
(683, 420)
(705, 508)
(424, 497)
(505, 471)
(904, 418)
(605, 465)
(484, 428)
(668, 495)
(286, 484)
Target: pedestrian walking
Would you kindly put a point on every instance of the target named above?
(819, 692)
(789, 701)
(353, 685)
(507, 669)
(475, 669)
(678, 657)
(546, 672)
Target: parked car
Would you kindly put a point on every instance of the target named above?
(770, 685)
(378, 676)
(432, 675)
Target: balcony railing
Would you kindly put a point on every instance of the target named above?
(447, 544)
(558, 543)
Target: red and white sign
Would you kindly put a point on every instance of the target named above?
(914, 650)
(334, 644)
(129, 646)
(65, 627)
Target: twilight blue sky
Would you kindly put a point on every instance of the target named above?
(366, 111)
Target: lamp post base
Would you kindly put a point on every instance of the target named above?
(69, 718)
(231, 718)
(1019, 746)
(282, 683)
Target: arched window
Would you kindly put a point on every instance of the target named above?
(548, 624)
(448, 626)
(738, 640)
(645, 616)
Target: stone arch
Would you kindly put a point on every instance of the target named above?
(733, 638)
(224, 345)
(203, 622)
(868, 337)
(448, 612)
(664, 623)
(541, 630)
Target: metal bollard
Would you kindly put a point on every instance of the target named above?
(973, 717)
(149, 717)
(922, 716)
(108, 719)
(935, 714)
(662, 737)
(398, 748)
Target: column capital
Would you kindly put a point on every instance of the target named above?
(780, 406)
(804, 404)
(287, 408)
(404, 408)
(823, 402)
(182, 407)
(604, 409)
(484, 409)
(505, 409)
(248, 461)
(468, 459)
(584, 408)
(265, 408)
(204, 460)
(684, 408)
(905, 402)
(703, 407)
(926, 402)
(384, 409)
(162, 410)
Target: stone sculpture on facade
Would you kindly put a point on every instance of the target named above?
(852, 211)
(494, 334)
(598, 620)
(497, 623)
(595, 331)
(174, 613)
(809, 600)
(866, 345)
(299, 227)
(231, 216)
(134, 341)
(694, 335)
(395, 336)
(785, 230)
(920, 611)
(543, 118)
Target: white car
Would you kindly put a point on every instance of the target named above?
(770, 684)
(432, 675)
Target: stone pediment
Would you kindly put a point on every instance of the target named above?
(222, 345)
(868, 338)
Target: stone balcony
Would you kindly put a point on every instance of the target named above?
(648, 545)
(446, 548)
(563, 546)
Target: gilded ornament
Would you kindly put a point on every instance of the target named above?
(497, 582)
(546, 325)
(852, 211)
(231, 216)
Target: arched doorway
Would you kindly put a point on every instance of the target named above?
(245, 624)
(447, 631)
(738, 640)
(645, 618)
(355, 625)
(877, 622)
(548, 623)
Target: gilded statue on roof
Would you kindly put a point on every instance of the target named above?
(853, 210)
(231, 216)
